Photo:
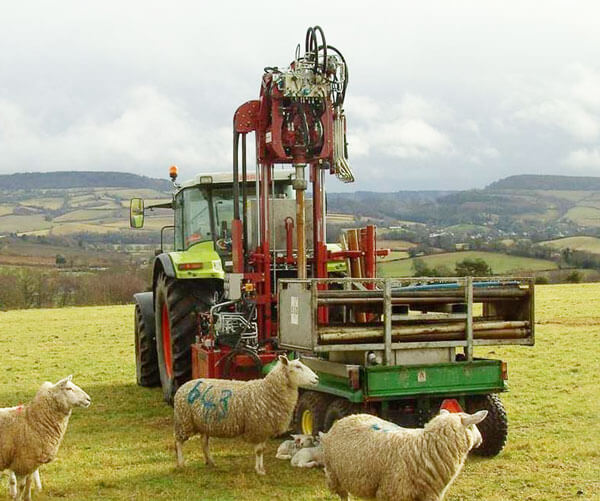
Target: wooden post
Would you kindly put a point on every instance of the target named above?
(387, 331)
(469, 326)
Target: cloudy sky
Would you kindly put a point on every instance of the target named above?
(442, 95)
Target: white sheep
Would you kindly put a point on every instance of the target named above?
(309, 457)
(288, 448)
(254, 410)
(30, 435)
(375, 459)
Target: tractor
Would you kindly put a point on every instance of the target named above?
(251, 276)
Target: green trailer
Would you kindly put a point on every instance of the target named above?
(401, 347)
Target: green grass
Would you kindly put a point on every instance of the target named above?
(85, 215)
(121, 447)
(585, 216)
(500, 263)
(13, 224)
(588, 244)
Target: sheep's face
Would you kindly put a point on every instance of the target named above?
(467, 423)
(69, 395)
(298, 373)
(301, 441)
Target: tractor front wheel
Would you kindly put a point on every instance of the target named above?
(146, 364)
(176, 305)
(494, 428)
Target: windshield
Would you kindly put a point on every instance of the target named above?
(192, 218)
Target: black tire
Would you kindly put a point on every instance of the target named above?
(494, 428)
(311, 406)
(179, 301)
(146, 362)
(338, 409)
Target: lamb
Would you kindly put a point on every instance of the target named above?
(375, 459)
(288, 448)
(309, 457)
(254, 410)
(30, 435)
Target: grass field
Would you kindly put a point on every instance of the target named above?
(587, 244)
(121, 447)
(585, 216)
(500, 263)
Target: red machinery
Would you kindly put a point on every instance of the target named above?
(299, 120)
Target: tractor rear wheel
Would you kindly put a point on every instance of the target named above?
(310, 412)
(176, 305)
(494, 428)
(338, 409)
(146, 363)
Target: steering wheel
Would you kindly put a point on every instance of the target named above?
(224, 244)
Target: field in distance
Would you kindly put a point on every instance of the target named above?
(500, 263)
(587, 244)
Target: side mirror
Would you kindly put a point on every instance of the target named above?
(136, 213)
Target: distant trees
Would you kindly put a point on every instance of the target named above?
(34, 288)
(476, 267)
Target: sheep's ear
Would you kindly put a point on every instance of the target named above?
(64, 381)
(283, 359)
(469, 419)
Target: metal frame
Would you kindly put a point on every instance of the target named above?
(380, 290)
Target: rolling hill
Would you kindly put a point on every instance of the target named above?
(515, 204)
(65, 203)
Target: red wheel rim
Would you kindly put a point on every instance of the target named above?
(166, 341)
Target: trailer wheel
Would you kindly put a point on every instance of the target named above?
(176, 303)
(146, 362)
(494, 428)
(337, 409)
(310, 412)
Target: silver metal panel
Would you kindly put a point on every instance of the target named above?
(424, 356)
(327, 367)
(280, 209)
(233, 285)
(295, 315)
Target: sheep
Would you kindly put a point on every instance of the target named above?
(288, 448)
(375, 459)
(30, 435)
(309, 457)
(254, 410)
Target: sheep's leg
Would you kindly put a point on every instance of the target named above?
(207, 457)
(179, 452)
(37, 480)
(24, 485)
(258, 465)
(12, 485)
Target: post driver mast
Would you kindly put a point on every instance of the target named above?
(299, 120)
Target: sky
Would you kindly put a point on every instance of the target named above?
(441, 95)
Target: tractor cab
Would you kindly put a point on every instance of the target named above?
(203, 210)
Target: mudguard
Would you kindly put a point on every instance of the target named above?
(145, 300)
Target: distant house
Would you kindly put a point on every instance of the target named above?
(463, 246)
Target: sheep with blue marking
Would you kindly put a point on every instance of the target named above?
(403, 464)
(253, 410)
